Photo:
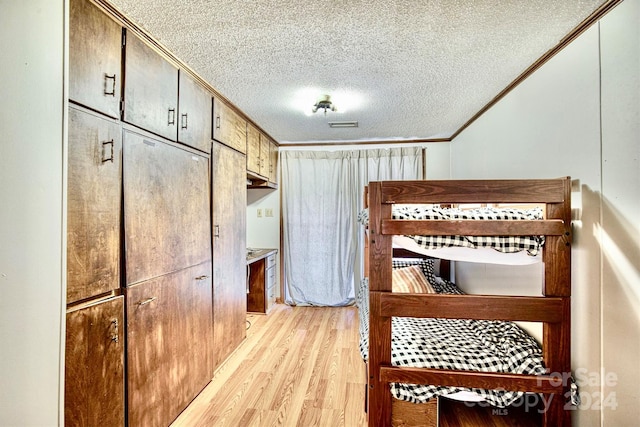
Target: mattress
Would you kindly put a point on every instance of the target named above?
(469, 248)
(461, 344)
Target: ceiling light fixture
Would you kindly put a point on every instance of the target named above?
(352, 124)
(324, 103)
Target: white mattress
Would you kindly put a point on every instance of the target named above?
(457, 253)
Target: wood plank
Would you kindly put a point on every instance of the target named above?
(472, 227)
(474, 191)
(471, 379)
(489, 307)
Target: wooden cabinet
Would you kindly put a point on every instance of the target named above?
(229, 201)
(166, 207)
(194, 124)
(94, 365)
(150, 89)
(253, 149)
(169, 347)
(95, 42)
(93, 205)
(261, 280)
(229, 127)
(273, 162)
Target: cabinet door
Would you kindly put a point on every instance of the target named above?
(264, 155)
(229, 127)
(150, 90)
(169, 338)
(194, 124)
(273, 162)
(253, 149)
(93, 205)
(166, 207)
(229, 194)
(94, 365)
(94, 58)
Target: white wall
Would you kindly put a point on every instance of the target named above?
(550, 126)
(31, 211)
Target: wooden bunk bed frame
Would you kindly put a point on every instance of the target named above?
(553, 309)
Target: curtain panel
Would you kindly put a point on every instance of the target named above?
(322, 193)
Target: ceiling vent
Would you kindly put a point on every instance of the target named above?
(343, 124)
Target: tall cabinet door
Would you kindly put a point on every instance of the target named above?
(169, 344)
(93, 207)
(94, 365)
(95, 51)
(229, 198)
(150, 90)
(166, 207)
(194, 124)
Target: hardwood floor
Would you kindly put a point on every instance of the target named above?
(299, 366)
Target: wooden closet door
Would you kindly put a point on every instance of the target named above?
(169, 344)
(229, 196)
(194, 124)
(95, 55)
(166, 207)
(94, 365)
(150, 89)
(93, 205)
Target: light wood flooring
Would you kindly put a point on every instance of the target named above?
(299, 366)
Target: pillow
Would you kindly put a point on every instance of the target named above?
(410, 280)
(427, 265)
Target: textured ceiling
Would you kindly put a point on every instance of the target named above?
(402, 69)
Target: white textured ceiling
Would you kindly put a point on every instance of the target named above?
(413, 69)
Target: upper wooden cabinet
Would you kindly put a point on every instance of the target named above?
(166, 207)
(94, 365)
(150, 89)
(194, 124)
(273, 162)
(95, 45)
(229, 127)
(253, 149)
(265, 146)
(93, 206)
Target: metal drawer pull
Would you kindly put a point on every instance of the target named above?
(172, 116)
(203, 277)
(107, 77)
(218, 122)
(110, 158)
(184, 121)
(147, 301)
(216, 231)
(115, 337)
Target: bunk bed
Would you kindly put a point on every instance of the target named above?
(552, 309)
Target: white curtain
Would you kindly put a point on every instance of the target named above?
(322, 193)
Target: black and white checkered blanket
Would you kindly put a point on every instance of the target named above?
(462, 344)
(507, 244)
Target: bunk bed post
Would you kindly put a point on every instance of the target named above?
(380, 251)
(557, 282)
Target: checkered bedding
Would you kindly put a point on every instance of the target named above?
(462, 344)
(507, 244)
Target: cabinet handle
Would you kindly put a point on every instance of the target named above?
(216, 231)
(146, 301)
(172, 116)
(111, 92)
(203, 277)
(218, 122)
(183, 124)
(104, 152)
(116, 333)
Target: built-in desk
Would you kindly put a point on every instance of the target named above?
(261, 280)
